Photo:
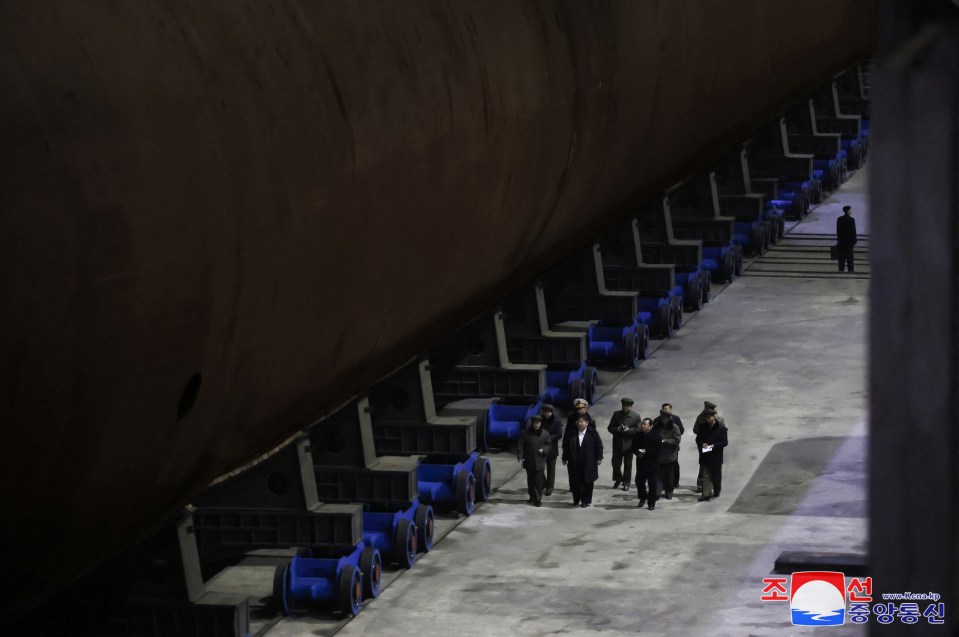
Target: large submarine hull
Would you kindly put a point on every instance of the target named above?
(221, 220)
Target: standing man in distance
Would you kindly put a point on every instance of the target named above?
(624, 424)
(583, 453)
(554, 428)
(845, 239)
(532, 451)
(711, 440)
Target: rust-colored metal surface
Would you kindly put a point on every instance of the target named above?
(290, 198)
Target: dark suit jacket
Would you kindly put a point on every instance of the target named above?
(679, 423)
(571, 425)
(623, 440)
(717, 436)
(555, 429)
(530, 442)
(652, 442)
(582, 459)
(845, 232)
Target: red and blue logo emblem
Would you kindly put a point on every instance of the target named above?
(818, 598)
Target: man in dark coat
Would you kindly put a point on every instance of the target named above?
(623, 425)
(554, 428)
(582, 454)
(700, 422)
(532, 451)
(669, 433)
(845, 239)
(667, 408)
(711, 440)
(646, 445)
(579, 411)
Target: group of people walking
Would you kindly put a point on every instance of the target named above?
(654, 443)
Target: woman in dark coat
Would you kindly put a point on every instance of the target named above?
(582, 455)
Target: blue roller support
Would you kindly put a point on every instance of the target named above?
(817, 181)
(750, 235)
(336, 581)
(425, 526)
(843, 165)
(802, 192)
(387, 532)
(590, 383)
(507, 418)
(776, 217)
(676, 302)
(371, 572)
(706, 286)
(691, 284)
(661, 314)
(854, 154)
(719, 261)
(565, 383)
(617, 344)
(483, 478)
(446, 481)
(829, 169)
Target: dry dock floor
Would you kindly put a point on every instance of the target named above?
(782, 351)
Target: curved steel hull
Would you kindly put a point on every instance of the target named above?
(289, 199)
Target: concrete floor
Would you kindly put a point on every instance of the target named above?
(782, 350)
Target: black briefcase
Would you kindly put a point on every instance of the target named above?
(832, 252)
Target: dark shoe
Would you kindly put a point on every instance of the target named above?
(625, 487)
(703, 499)
(617, 483)
(669, 496)
(531, 501)
(642, 501)
(716, 494)
(539, 504)
(575, 503)
(651, 507)
(548, 492)
(584, 505)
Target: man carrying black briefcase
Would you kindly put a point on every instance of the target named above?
(845, 240)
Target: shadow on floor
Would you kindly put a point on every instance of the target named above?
(822, 476)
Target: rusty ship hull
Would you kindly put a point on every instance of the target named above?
(221, 220)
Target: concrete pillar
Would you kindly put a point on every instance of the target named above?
(914, 336)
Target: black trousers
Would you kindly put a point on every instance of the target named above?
(844, 256)
(647, 483)
(676, 476)
(712, 479)
(582, 491)
(666, 473)
(550, 473)
(626, 460)
(535, 480)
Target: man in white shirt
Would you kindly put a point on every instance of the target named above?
(582, 455)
